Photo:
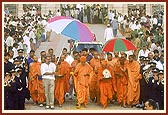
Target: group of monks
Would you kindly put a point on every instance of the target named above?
(100, 79)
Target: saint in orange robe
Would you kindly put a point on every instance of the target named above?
(73, 66)
(94, 88)
(83, 72)
(121, 82)
(35, 85)
(41, 95)
(61, 84)
(106, 90)
(111, 64)
(133, 82)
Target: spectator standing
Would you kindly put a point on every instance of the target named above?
(58, 13)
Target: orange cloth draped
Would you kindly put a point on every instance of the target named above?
(73, 66)
(133, 83)
(106, 90)
(35, 85)
(83, 72)
(94, 86)
(41, 95)
(62, 84)
(121, 82)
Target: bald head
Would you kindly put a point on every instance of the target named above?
(35, 58)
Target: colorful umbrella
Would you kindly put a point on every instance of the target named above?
(71, 28)
(118, 44)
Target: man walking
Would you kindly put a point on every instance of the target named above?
(114, 25)
(47, 71)
(82, 72)
(108, 33)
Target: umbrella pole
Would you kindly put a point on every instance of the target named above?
(60, 53)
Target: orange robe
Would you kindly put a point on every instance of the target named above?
(61, 84)
(41, 95)
(35, 85)
(94, 86)
(121, 82)
(73, 66)
(112, 64)
(133, 83)
(83, 81)
(106, 90)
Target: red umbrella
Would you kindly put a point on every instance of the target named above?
(118, 44)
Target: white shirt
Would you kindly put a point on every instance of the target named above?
(111, 15)
(27, 42)
(153, 47)
(69, 59)
(159, 65)
(15, 52)
(142, 53)
(133, 26)
(138, 27)
(11, 60)
(20, 45)
(120, 19)
(108, 34)
(58, 14)
(32, 35)
(9, 41)
(155, 21)
(48, 68)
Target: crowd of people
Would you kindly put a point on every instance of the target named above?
(134, 78)
(95, 13)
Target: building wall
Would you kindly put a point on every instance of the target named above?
(122, 8)
(46, 7)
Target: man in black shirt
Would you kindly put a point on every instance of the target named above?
(7, 65)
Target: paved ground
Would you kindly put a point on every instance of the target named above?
(71, 105)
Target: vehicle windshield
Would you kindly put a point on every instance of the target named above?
(79, 47)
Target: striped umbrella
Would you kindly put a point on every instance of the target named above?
(71, 28)
(118, 44)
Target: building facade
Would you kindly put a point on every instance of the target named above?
(118, 7)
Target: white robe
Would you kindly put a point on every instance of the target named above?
(108, 34)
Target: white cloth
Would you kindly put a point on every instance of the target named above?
(33, 36)
(69, 59)
(142, 53)
(155, 21)
(153, 47)
(11, 60)
(9, 41)
(106, 73)
(27, 42)
(39, 59)
(111, 15)
(58, 14)
(160, 65)
(138, 27)
(108, 34)
(133, 26)
(120, 19)
(20, 45)
(48, 68)
(15, 52)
